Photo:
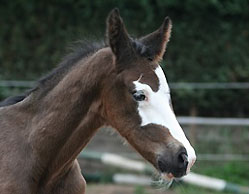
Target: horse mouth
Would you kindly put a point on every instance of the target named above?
(170, 172)
(168, 176)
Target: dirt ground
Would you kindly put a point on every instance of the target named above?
(123, 189)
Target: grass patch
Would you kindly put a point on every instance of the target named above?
(190, 189)
(234, 172)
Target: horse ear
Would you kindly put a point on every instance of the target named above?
(117, 36)
(157, 40)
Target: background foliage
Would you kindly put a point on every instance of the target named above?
(209, 42)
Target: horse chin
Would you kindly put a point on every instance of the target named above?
(170, 176)
(167, 176)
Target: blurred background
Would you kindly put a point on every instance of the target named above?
(207, 67)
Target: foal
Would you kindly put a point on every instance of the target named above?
(121, 85)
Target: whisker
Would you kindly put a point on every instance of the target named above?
(161, 183)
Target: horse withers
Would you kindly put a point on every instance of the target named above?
(119, 85)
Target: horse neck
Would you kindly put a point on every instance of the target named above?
(69, 115)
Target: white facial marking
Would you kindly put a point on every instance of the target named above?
(156, 109)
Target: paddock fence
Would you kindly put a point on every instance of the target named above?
(191, 122)
(178, 85)
(216, 139)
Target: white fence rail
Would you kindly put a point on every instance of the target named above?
(223, 157)
(224, 85)
(15, 83)
(179, 85)
(213, 121)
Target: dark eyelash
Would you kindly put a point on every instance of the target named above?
(150, 59)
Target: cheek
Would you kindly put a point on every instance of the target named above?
(151, 140)
(155, 133)
(121, 112)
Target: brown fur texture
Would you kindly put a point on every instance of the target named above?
(42, 134)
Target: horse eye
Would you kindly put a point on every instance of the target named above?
(150, 58)
(139, 95)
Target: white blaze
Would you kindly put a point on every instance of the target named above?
(156, 109)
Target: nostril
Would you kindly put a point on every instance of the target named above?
(183, 160)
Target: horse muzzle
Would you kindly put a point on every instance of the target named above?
(175, 165)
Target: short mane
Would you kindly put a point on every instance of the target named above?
(81, 50)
